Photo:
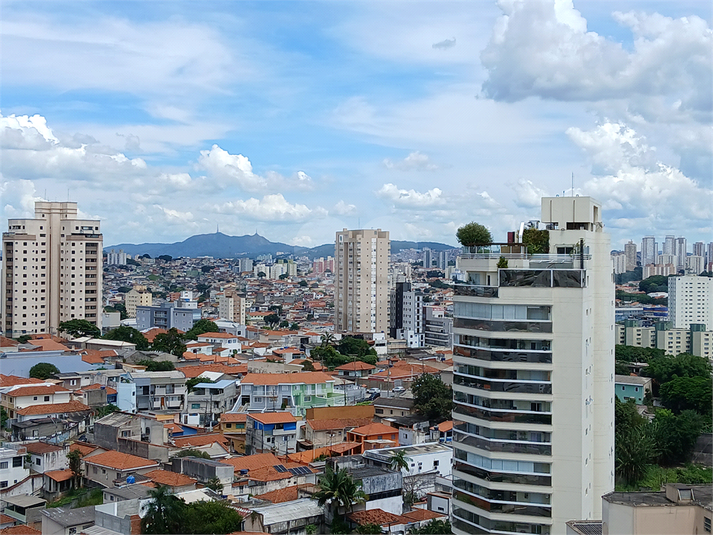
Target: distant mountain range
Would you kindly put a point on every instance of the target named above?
(219, 245)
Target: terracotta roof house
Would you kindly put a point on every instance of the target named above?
(109, 466)
(374, 436)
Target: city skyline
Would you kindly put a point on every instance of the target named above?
(164, 120)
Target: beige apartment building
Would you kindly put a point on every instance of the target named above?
(138, 296)
(231, 307)
(51, 270)
(361, 292)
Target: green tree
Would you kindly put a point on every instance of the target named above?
(656, 283)
(369, 528)
(303, 284)
(432, 398)
(637, 354)
(473, 234)
(537, 241)
(215, 485)
(165, 257)
(307, 366)
(261, 275)
(635, 450)
(434, 527)
(283, 276)
(170, 342)
(157, 365)
(684, 393)
(676, 435)
(349, 346)
(201, 327)
(284, 324)
(43, 370)
(664, 368)
(294, 326)
(327, 339)
(399, 461)
(190, 452)
(211, 517)
(3, 417)
(128, 334)
(75, 465)
(104, 410)
(272, 319)
(165, 512)
(338, 489)
(191, 383)
(77, 328)
(24, 338)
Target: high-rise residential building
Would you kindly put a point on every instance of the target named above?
(690, 300)
(648, 250)
(699, 249)
(442, 260)
(231, 307)
(361, 292)
(437, 328)
(680, 250)
(695, 265)
(427, 258)
(138, 296)
(630, 252)
(407, 315)
(52, 270)
(619, 262)
(533, 384)
(116, 259)
(709, 256)
(669, 245)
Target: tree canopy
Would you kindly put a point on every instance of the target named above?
(128, 334)
(664, 368)
(637, 354)
(655, 283)
(201, 327)
(170, 342)
(688, 393)
(432, 398)
(43, 370)
(537, 241)
(78, 328)
(473, 234)
(337, 489)
(157, 365)
(349, 345)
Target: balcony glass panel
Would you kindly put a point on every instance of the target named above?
(503, 326)
(504, 447)
(505, 343)
(501, 477)
(484, 414)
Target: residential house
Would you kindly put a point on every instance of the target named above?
(288, 518)
(160, 391)
(384, 488)
(271, 431)
(56, 482)
(107, 467)
(629, 387)
(46, 457)
(330, 432)
(355, 370)
(443, 432)
(295, 392)
(233, 427)
(95, 395)
(175, 481)
(204, 470)
(24, 508)
(13, 468)
(209, 400)
(374, 436)
(67, 521)
(227, 341)
(132, 433)
(387, 407)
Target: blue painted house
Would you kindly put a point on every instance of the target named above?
(631, 387)
(271, 432)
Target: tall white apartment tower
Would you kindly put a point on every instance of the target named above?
(534, 379)
(630, 252)
(52, 270)
(690, 300)
(361, 289)
(648, 250)
(669, 245)
(681, 250)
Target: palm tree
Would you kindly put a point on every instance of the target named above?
(399, 461)
(164, 513)
(338, 489)
(327, 339)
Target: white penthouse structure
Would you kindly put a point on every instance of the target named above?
(534, 379)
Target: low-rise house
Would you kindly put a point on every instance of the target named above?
(135, 434)
(175, 481)
(355, 370)
(107, 467)
(224, 340)
(421, 458)
(295, 392)
(210, 400)
(288, 518)
(386, 407)
(233, 427)
(56, 482)
(25, 509)
(96, 395)
(324, 433)
(46, 457)
(160, 391)
(374, 436)
(66, 521)
(384, 488)
(13, 467)
(203, 470)
(271, 432)
(631, 387)
(443, 432)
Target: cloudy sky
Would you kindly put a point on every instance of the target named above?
(296, 119)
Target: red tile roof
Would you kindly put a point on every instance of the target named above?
(152, 333)
(199, 440)
(231, 417)
(225, 336)
(40, 390)
(286, 494)
(374, 429)
(121, 461)
(20, 530)
(53, 408)
(98, 386)
(47, 344)
(172, 479)
(376, 516)
(60, 475)
(40, 448)
(14, 380)
(273, 417)
(445, 426)
(268, 473)
(355, 366)
(83, 449)
(8, 342)
(252, 462)
(419, 515)
(311, 378)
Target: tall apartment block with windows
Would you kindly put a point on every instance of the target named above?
(51, 270)
(361, 290)
(534, 379)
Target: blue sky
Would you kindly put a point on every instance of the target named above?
(297, 119)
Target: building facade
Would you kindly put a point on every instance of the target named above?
(533, 383)
(407, 315)
(630, 252)
(231, 307)
(51, 270)
(138, 296)
(690, 300)
(649, 252)
(361, 293)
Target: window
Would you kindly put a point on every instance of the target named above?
(195, 405)
(47, 398)
(707, 524)
(16, 462)
(3, 484)
(4, 465)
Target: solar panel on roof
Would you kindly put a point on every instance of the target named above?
(280, 468)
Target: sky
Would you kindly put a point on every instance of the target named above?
(297, 119)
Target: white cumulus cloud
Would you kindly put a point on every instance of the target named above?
(342, 208)
(411, 198)
(272, 207)
(416, 161)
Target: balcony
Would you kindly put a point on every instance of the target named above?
(472, 290)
